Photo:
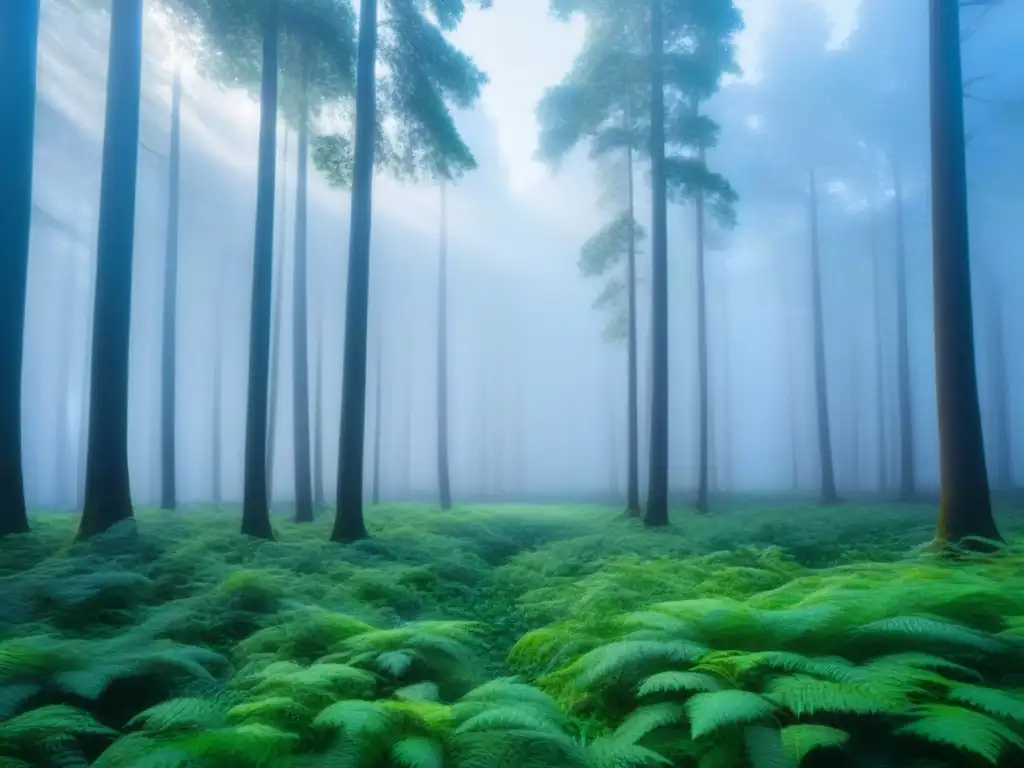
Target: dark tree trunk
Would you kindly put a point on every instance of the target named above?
(443, 478)
(348, 522)
(657, 490)
(19, 36)
(318, 416)
(108, 498)
(828, 480)
(882, 421)
(300, 331)
(908, 490)
(255, 496)
(378, 391)
(965, 509)
(1002, 475)
(168, 369)
(632, 415)
(277, 319)
(702, 356)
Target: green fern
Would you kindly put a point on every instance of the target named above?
(965, 730)
(709, 712)
(800, 740)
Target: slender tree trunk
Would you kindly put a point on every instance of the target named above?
(794, 413)
(378, 392)
(908, 490)
(879, 338)
(256, 499)
(277, 319)
(632, 416)
(657, 490)
(19, 36)
(108, 498)
(168, 370)
(443, 475)
(300, 330)
(318, 418)
(1002, 475)
(854, 414)
(965, 509)
(218, 418)
(702, 356)
(348, 522)
(65, 475)
(828, 481)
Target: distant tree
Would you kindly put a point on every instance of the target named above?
(19, 35)
(443, 475)
(425, 71)
(965, 508)
(108, 499)
(378, 392)
(169, 342)
(277, 319)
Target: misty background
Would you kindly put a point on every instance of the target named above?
(536, 396)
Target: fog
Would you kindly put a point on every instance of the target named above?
(536, 396)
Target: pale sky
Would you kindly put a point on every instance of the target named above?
(524, 50)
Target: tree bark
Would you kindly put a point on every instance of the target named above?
(828, 481)
(702, 355)
(657, 490)
(108, 499)
(277, 319)
(348, 522)
(965, 508)
(882, 421)
(908, 491)
(300, 329)
(19, 36)
(168, 371)
(1002, 474)
(255, 499)
(443, 476)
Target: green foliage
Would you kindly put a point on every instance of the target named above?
(702, 646)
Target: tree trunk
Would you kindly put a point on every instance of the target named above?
(702, 356)
(348, 522)
(300, 330)
(794, 412)
(318, 415)
(908, 490)
(657, 490)
(277, 319)
(19, 36)
(108, 498)
(882, 421)
(168, 370)
(828, 481)
(1002, 475)
(965, 509)
(255, 499)
(65, 484)
(218, 417)
(632, 416)
(854, 414)
(443, 476)
(378, 392)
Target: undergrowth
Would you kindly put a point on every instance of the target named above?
(490, 637)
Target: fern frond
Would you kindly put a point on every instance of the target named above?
(800, 740)
(418, 752)
(38, 725)
(964, 729)
(764, 747)
(923, 632)
(804, 695)
(645, 720)
(710, 711)
(991, 701)
(678, 682)
(179, 714)
(610, 752)
(419, 692)
(609, 663)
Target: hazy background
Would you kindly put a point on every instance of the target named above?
(537, 399)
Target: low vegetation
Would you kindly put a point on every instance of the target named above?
(490, 637)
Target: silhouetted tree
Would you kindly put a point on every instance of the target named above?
(19, 35)
(443, 475)
(965, 508)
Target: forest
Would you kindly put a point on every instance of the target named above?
(594, 383)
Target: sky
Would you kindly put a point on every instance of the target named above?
(524, 51)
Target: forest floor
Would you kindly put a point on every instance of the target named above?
(783, 636)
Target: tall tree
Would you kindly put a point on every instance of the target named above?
(908, 492)
(443, 476)
(425, 70)
(277, 320)
(318, 415)
(19, 36)
(965, 508)
(377, 395)
(169, 342)
(108, 499)
(999, 387)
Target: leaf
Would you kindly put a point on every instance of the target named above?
(991, 701)
(678, 682)
(800, 740)
(764, 747)
(710, 711)
(963, 729)
(418, 752)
